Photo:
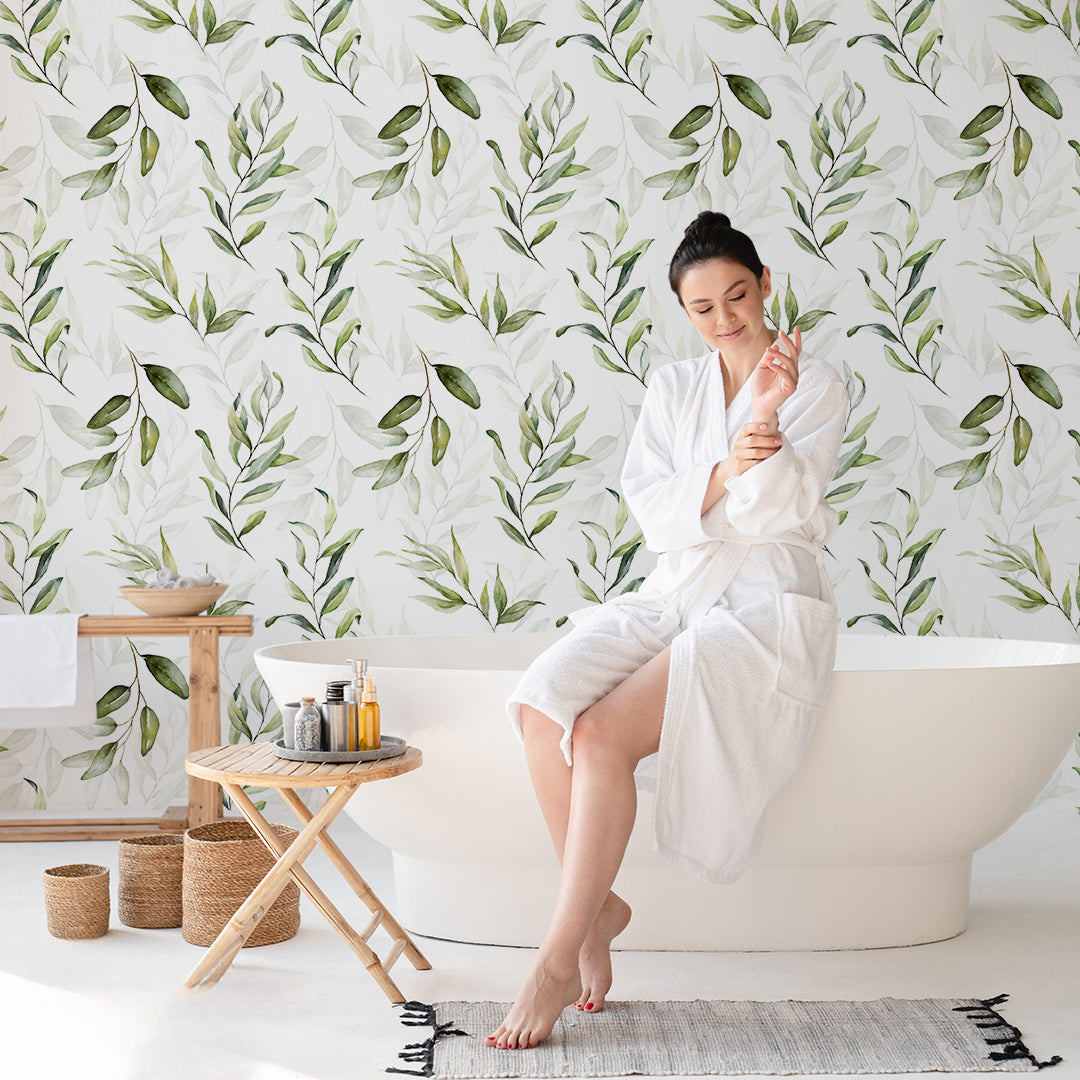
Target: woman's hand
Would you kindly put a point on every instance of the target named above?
(774, 379)
(753, 444)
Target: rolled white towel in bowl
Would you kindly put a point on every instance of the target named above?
(46, 672)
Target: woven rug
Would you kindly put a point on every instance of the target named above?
(711, 1038)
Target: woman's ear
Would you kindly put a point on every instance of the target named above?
(766, 281)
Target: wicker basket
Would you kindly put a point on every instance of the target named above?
(77, 900)
(223, 862)
(149, 887)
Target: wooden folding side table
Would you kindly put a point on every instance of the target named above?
(257, 764)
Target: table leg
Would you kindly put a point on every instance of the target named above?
(204, 721)
(357, 943)
(238, 929)
(359, 885)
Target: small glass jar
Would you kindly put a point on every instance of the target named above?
(307, 726)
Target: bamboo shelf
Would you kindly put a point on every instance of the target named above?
(204, 726)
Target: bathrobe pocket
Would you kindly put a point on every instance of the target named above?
(807, 648)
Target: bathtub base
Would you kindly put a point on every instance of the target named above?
(770, 908)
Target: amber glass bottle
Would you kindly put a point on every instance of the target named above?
(370, 735)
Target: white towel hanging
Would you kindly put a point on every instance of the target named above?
(46, 672)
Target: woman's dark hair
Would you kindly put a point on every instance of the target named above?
(710, 236)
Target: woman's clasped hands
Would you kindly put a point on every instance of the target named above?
(773, 382)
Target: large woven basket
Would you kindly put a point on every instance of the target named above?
(223, 862)
(77, 900)
(149, 889)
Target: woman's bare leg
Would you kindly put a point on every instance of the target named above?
(610, 739)
(551, 779)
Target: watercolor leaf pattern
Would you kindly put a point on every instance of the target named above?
(355, 307)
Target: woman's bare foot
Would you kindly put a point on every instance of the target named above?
(594, 960)
(548, 988)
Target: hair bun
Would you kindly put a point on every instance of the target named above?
(706, 222)
(711, 236)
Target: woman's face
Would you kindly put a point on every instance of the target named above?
(726, 302)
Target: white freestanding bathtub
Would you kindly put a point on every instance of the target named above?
(929, 748)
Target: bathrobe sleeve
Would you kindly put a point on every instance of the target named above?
(783, 491)
(665, 501)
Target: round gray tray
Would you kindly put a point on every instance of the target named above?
(391, 746)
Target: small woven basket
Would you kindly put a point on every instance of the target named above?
(223, 862)
(149, 889)
(77, 900)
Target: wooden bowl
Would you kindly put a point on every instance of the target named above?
(172, 601)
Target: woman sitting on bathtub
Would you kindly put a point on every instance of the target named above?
(704, 684)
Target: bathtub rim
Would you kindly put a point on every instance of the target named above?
(1071, 653)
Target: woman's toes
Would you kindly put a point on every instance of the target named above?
(544, 994)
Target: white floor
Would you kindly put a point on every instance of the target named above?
(110, 1008)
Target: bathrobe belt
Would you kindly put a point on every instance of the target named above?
(815, 549)
(698, 593)
(694, 595)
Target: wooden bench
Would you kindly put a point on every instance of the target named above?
(204, 726)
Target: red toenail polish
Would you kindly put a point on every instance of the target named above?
(589, 1006)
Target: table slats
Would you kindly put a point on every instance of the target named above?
(257, 764)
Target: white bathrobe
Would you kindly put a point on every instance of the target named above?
(741, 595)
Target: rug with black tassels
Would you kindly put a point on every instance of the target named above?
(725, 1038)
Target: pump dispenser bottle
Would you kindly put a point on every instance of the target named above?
(370, 734)
(356, 724)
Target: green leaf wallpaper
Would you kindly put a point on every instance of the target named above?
(353, 306)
